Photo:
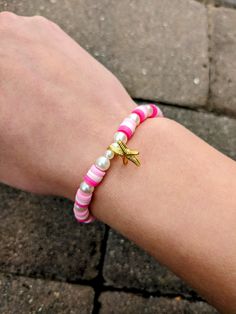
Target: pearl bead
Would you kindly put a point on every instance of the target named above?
(115, 145)
(109, 154)
(86, 188)
(103, 163)
(135, 118)
(79, 209)
(149, 110)
(120, 136)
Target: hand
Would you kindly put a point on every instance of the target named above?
(59, 107)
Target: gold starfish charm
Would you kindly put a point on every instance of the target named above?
(127, 154)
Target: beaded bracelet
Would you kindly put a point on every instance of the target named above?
(98, 170)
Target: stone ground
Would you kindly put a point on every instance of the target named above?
(178, 52)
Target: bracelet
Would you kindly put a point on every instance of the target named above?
(98, 170)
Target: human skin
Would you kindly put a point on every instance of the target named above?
(59, 109)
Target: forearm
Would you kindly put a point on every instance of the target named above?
(180, 206)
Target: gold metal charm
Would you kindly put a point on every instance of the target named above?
(127, 154)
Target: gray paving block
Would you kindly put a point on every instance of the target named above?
(128, 266)
(223, 65)
(226, 3)
(25, 295)
(40, 237)
(120, 302)
(159, 51)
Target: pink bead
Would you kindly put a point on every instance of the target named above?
(78, 208)
(139, 113)
(82, 201)
(90, 181)
(83, 196)
(81, 204)
(94, 176)
(81, 215)
(154, 111)
(81, 220)
(128, 132)
(144, 110)
(97, 171)
(129, 123)
(89, 219)
(80, 192)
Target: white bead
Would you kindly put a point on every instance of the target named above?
(109, 154)
(120, 136)
(79, 209)
(135, 118)
(149, 110)
(103, 163)
(86, 188)
(115, 145)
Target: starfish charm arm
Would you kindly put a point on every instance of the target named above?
(126, 153)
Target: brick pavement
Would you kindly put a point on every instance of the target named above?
(181, 53)
(183, 38)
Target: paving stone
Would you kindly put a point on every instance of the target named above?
(223, 65)
(25, 295)
(226, 3)
(128, 266)
(120, 302)
(159, 51)
(39, 237)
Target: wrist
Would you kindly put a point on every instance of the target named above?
(94, 141)
(117, 193)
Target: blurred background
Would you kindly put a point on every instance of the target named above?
(179, 53)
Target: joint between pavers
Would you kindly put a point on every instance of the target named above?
(81, 282)
(99, 280)
(192, 297)
(219, 3)
(209, 105)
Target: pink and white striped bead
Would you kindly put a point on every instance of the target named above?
(147, 111)
(83, 216)
(96, 173)
(144, 109)
(140, 113)
(82, 199)
(128, 127)
(94, 176)
(156, 111)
